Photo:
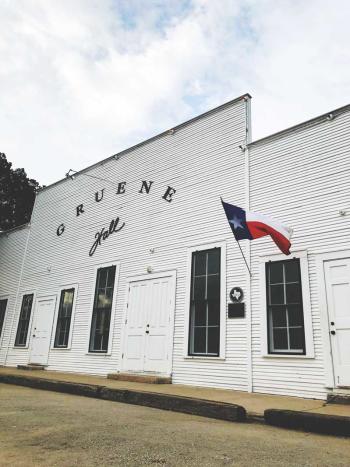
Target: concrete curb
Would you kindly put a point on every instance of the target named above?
(188, 405)
(312, 422)
(338, 399)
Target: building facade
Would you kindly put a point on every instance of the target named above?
(128, 265)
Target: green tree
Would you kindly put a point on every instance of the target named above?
(17, 194)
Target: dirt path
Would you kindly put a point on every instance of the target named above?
(39, 428)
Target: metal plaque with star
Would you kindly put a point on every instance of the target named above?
(236, 295)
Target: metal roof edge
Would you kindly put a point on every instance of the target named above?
(152, 138)
(301, 125)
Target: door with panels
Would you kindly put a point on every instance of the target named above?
(149, 322)
(42, 328)
(337, 277)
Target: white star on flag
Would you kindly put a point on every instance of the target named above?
(236, 222)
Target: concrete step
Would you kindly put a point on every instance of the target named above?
(31, 367)
(140, 378)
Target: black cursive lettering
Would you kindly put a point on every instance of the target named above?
(103, 234)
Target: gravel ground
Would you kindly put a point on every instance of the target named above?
(39, 428)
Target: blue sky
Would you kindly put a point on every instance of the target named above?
(85, 79)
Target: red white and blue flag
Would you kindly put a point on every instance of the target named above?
(252, 225)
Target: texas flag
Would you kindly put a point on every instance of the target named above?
(252, 225)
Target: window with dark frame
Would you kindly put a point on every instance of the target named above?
(64, 318)
(24, 320)
(204, 335)
(101, 316)
(285, 315)
(3, 305)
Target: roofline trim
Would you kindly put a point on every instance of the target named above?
(149, 140)
(13, 229)
(313, 120)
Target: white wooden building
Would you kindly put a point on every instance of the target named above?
(127, 266)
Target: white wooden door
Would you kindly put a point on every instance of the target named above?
(337, 275)
(41, 330)
(149, 323)
(135, 327)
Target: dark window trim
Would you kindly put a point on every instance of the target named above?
(197, 354)
(2, 318)
(62, 291)
(25, 344)
(269, 344)
(90, 350)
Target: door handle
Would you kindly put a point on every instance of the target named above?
(332, 323)
(333, 333)
(147, 332)
(34, 335)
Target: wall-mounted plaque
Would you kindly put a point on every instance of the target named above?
(236, 310)
(236, 294)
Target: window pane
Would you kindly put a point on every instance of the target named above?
(200, 310)
(102, 277)
(3, 304)
(296, 336)
(205, 302)
(214, 261)
(277, 294)
(111, 277)
(280, 339)
(295, 315)
(199, 340)
(101, 316)
(64, 318)
(104, 299)
(200, 264)
(68, 297)
(213, 291)
(24, 318)
(292, 271)
(293, 293)
(213, 340)
(199, 288)
(276, 272)
(213, 313)
(279, 318)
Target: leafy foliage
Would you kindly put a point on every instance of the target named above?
(17, 194)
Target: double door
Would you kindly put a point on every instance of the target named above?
(149, 324)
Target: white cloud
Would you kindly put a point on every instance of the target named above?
(83, 79)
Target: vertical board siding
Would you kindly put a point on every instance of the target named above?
(302, 178)
(202, 161)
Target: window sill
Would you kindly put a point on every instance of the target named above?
(61, 348)
(20, 347)
(288, 356)
(99, 354)
(207, 359)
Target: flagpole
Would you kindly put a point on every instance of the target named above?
(222, 201)
(243, 257)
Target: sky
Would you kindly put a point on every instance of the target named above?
(81, 80)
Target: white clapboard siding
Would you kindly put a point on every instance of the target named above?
(12, 251)
(302, 177)
(201, 160)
